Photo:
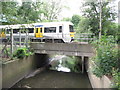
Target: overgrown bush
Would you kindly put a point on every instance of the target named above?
(106, 57)
(116, 75)
(22, 52)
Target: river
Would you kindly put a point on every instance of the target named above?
(60, 77)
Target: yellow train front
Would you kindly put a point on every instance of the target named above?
(2, 35)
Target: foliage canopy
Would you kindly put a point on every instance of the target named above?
(30, 12)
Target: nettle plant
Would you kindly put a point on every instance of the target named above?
(106, 57)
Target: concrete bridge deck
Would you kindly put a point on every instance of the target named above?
(71, 49)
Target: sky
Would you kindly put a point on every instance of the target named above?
(74, 7)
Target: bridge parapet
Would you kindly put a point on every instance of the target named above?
(72, 49)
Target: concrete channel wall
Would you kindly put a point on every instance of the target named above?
(15, 70)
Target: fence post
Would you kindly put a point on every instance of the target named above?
(11, 37)
(26, 38)
(20, 37)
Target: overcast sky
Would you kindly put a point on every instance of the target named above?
(74, 7)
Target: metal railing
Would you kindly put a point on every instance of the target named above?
(84, 37)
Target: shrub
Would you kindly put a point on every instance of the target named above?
(106, 57)
(22, 52)
(116, 75)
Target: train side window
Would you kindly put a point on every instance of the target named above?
(46, 30)
(40, 30)
(31, 30)
(60, 29)
(8, 31)
(23, 30)
(50, 30)
(15, 30)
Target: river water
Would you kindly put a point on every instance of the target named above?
(56, 77)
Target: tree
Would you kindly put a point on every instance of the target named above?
(75, 20)
(83, 26)
(30, 12)
(9, 12)
(52, 9)
(92, 12)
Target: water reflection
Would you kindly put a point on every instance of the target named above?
(61, 68)
(59, 63)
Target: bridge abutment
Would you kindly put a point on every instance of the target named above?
(41, 60)
(83, 63)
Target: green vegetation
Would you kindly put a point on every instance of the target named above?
(92, 12)
(21, 53)
(116, 75)
(75, 20)
(89, 22)
(6, 52)
(106, 56)
(72, 63)
(106, 61)
(30, 12)
(69, 62)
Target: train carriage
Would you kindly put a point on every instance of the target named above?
(43, 32)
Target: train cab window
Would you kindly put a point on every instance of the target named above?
(71, 28)
(36, 30)
(40, 29)
(60, 29)
(50, 30)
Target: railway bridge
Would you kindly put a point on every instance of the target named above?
(82, 50)
(71, 49)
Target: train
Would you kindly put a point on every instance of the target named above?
(41, 32)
